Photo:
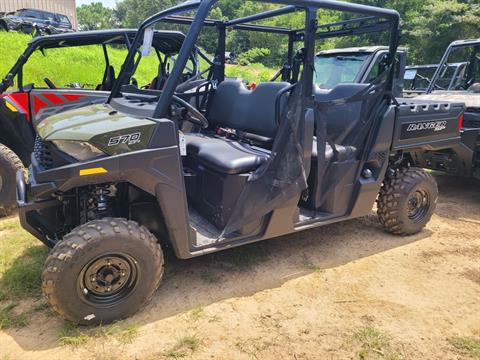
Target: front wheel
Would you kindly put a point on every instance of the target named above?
(10, 164)
(103, 271)
(407, 200)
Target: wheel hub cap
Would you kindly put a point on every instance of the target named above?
(108, 279)
(418, 205)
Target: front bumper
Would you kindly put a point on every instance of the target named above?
(36, 217)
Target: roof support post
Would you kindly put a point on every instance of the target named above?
(311, 25)
(219, 61)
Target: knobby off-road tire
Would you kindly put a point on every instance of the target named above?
(9, 165)
(80, 269)
(406, 201)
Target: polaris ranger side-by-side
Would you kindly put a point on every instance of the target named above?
(110, 184)
(364, 64)
(463, 159)
(26, 106)
(418, 77)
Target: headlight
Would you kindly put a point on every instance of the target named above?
(80, 150)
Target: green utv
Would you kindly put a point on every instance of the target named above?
(221, 165)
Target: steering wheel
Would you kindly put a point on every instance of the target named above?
(49, 83)
(196, 117)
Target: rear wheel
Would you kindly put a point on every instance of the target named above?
(9, 165)
(103, 271)
(407, 201)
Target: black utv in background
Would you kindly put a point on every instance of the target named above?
(462, 159)
(220, 165)
(31, 20)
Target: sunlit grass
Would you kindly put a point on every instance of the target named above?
(21, 261)
(85, 64)
(76, 335)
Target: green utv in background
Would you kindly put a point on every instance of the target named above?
(463, 159)
(206, 164)
(24, 103)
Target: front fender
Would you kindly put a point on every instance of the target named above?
(156, 171)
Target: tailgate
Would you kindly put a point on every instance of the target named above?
(427, 124)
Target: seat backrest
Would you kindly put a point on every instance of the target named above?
(252, 111)
(340, 118)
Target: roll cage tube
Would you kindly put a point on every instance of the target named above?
(36, 44)
(203, 7)
(453, 46)
(129, 60)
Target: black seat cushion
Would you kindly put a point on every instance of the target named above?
(223, 155)
(252, 111)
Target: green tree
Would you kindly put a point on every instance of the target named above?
(131, 13)
(439, 23)
(94, 16)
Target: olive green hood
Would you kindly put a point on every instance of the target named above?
(87, 122)
(100, 125)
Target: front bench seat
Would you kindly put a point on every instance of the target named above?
(223, 155)
(233, 157)
(236, 107)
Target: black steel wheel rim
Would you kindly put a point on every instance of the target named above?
(108, 279)
(418, 205)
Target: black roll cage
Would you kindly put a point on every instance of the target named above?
(375, 19)
(452, 47)
(117, 36)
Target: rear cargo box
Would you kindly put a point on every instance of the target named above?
(427, 125)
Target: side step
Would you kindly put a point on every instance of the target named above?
(207, 233)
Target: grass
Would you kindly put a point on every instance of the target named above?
(21, 262)
(374, 344)
(309, 265)
(253, 72)
(184, 346)
(197, 313)
(85, 64)
(75, 336)
(468, 346)
(253, 347)
(9, 319)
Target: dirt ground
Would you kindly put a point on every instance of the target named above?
(345, 291)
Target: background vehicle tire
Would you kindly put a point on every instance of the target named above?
(9, 165)
(103, 271)
(407, 201)
(3, 26)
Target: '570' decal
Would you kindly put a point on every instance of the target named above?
(129, 139)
